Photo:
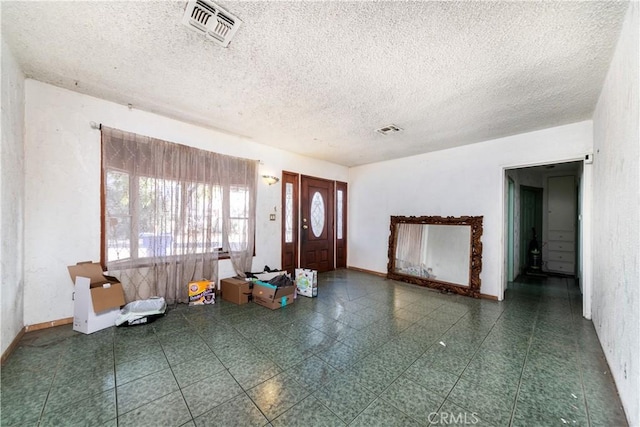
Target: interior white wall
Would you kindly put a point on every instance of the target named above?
(11, 199)
(62, 164)
(466, 180)
(616, 202)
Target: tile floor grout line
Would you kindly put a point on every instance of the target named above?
(46, 399)
(433, 345)
(549, 308)
(260, 409)
(245, 391)
(378, 395)
(115, 377)
(472, 356)
(329, 409)
(524, 364)
(162, 347)
(427, 349)
(577, 349)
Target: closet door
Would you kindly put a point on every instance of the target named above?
(562, 224)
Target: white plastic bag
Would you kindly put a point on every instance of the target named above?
(142, 311)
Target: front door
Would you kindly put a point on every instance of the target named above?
(316, 224)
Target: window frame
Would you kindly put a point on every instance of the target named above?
(134, 187)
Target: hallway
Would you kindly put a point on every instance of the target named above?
(565, 370)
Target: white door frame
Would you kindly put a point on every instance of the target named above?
(586, 238)
(585, 223)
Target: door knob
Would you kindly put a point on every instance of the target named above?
(304, 227)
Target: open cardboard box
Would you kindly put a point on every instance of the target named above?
(97, 298)
(272, 297)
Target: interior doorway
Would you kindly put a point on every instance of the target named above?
(536, 204)
(555, 199)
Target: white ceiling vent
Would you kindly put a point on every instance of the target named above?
(388, 129)
(209, 19)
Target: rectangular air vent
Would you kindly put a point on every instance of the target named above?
(209, 19)
(388, 129)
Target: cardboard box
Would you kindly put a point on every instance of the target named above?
(97, 298)
(235, 290)
(202, 292)
(272, 297)
(306, 282)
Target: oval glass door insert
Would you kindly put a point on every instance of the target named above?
(317, 214)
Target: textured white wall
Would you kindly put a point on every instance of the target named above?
(466, 180)
(62, 153)
(616, 201)
(11, 198)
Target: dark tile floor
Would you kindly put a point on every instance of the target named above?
(366, 352)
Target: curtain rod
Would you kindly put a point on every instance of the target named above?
(98, 126)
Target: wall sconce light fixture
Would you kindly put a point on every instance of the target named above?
(270, 179)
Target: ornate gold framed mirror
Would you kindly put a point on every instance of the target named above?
(443, 253)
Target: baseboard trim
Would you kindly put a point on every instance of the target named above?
(362, 270)
(376, 273)
(51, 324)
(12, 346)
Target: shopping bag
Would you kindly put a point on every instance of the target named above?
(307, 282)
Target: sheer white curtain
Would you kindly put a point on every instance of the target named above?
(408, 246)
(171, 211)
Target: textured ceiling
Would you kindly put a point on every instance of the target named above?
(317, 78)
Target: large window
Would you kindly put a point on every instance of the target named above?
(167, 200)
(143, 217)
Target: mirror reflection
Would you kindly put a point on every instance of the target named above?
(437, 252)
(443, 253)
